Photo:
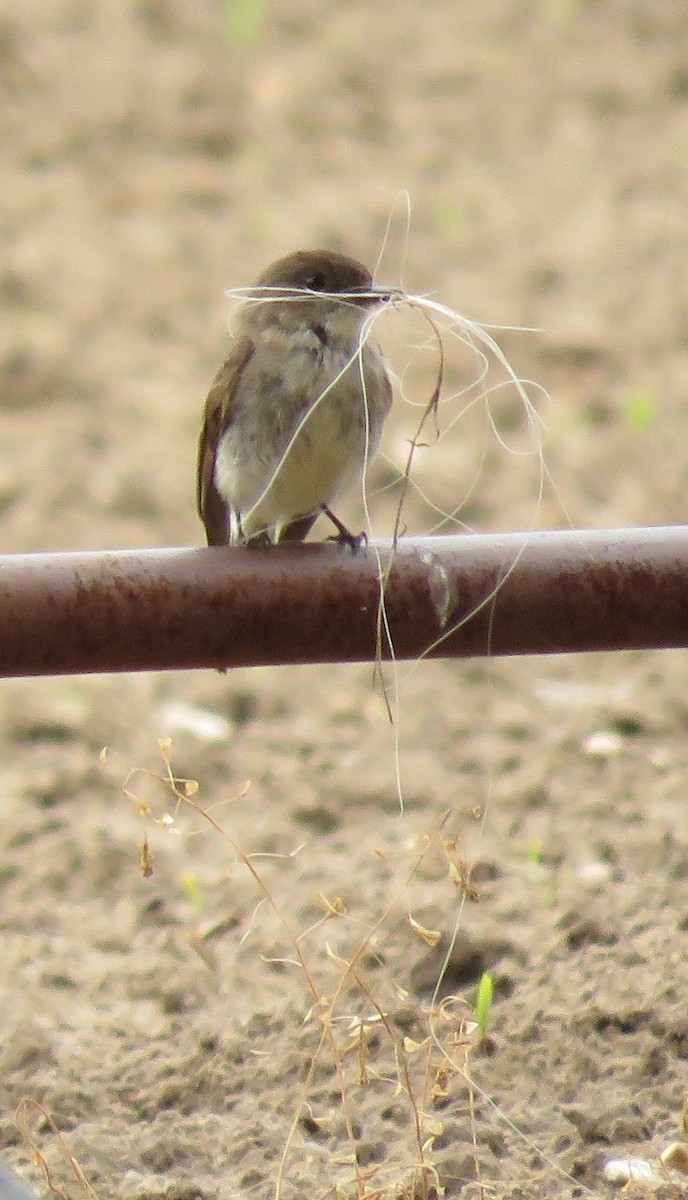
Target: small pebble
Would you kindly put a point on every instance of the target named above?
(603, 743)
(207, 726)
(12, 1187)
(631, 1170)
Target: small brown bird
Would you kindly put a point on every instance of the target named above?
(298, 407)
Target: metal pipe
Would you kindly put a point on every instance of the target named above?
(520, 593)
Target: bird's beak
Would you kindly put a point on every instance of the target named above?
(375, 295)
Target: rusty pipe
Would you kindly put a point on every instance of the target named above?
(518, 593)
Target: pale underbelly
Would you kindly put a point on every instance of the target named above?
(328, 452)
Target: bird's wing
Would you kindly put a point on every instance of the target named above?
(212, 509)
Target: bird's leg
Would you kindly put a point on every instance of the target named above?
(344, 536)
(256, 541)
(298, 530)
(235, 531)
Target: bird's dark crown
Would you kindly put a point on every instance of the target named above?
(317, 271)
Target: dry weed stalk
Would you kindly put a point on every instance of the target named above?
(423, 1069)
(21, 1118)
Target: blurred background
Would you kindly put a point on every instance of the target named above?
(157, 154)
(154, 153)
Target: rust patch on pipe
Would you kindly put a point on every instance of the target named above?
(463, 596)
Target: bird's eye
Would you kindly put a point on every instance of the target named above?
(315, 282)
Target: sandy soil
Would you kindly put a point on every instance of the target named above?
(195, 1032)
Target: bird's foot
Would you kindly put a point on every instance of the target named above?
(258, 541)
(344, 536)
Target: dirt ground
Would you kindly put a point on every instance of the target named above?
(196, 1032)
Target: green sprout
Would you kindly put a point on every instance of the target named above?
(193, 892)
(640, 409)
(243, 21)
(483, 1004)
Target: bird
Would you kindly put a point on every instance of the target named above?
(298, 407)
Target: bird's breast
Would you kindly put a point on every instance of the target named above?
(299, 431)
